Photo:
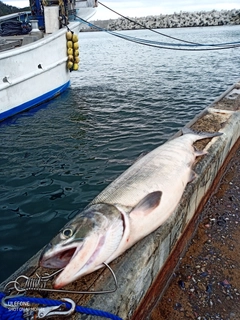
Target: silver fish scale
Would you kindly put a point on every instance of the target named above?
(151, 173)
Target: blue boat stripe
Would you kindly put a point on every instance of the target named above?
(35, 102)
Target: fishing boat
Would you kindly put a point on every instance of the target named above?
(35, 56)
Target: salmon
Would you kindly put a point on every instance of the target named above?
(138, 202)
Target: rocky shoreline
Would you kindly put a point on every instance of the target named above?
(176, 20)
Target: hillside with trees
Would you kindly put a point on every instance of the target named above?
(6, 9)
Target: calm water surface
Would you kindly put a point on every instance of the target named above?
(126, 99)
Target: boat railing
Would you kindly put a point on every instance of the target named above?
(19, 15)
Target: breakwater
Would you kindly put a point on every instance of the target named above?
(176, 20)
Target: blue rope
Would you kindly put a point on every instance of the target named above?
(17, 314)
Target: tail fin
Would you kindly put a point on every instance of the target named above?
(201, 135)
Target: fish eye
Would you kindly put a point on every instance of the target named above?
(67, 233)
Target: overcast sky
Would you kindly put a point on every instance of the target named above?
(141, 8)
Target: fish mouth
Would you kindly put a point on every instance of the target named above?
(56, 259)
(81, 260)
(75, 259)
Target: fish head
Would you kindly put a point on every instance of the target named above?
(60, 250)
(85, 243)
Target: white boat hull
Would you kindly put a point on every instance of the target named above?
(35, 72)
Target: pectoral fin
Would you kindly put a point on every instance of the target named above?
(147, 204)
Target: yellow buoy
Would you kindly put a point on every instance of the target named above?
(70, 44)
(75, 38)
(70, 64)
(69, 35)
(70, 57)
(70, 52)
(76, 59)
(75, 45)
(75, 66)
(76, 53)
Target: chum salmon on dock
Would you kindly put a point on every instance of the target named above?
(131, 207)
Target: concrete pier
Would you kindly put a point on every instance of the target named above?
(206, 285)
(144, 271)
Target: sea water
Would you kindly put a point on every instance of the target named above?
(125, 100)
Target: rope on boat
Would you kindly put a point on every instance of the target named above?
(144, 26)
(17, 313)
(163, 45)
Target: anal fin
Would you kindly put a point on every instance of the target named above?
(193, 176)
(199, 153)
